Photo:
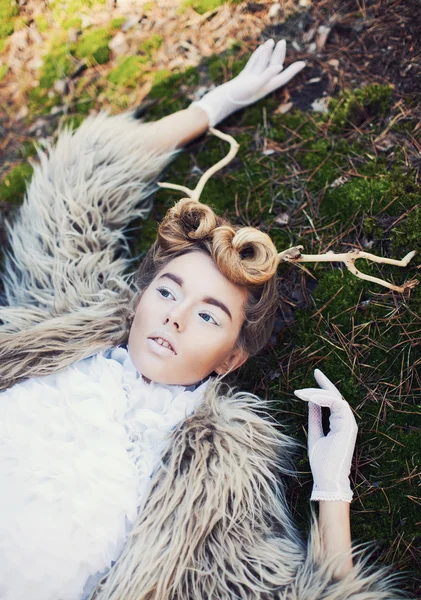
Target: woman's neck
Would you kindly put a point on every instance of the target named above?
(189, 385)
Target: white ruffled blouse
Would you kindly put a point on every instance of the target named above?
(77, 452)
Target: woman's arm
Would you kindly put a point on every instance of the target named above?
(330, 460)
(178, 129)
(263, 74)
(335, 527)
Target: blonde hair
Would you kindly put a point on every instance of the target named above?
(246, 256)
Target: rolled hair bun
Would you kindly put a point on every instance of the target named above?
(186, 221)
(245, 255)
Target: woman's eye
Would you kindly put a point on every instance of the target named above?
(206, 315)
(163, 292)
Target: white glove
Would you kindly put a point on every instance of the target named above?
(331, 455)
(261, 76)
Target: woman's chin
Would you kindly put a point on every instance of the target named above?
(157, 368)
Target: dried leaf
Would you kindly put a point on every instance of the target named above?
(283, 108)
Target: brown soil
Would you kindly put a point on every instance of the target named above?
(370, 41)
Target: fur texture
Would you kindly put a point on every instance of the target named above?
(66, 289)
(216, 523)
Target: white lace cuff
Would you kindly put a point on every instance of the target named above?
(345, 496)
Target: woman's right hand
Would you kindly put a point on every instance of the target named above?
(330, 455)
(262, 75)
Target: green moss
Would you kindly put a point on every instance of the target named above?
(128, 71)
(27, 149)
(404, 511)
(85, 104)
(148, 6)
(42, 23)
(56, 63)
(145, 236)
(21, 23)
(360, 195)
(161, 75)
(405, 187)
(93, 46)
(371, 228)
(295, 121)
(330, 280)
(3, 71)
(219, 66)
(12, 188)
(168, 93)
(117, 22)
(73, 121)
(73, 22)
(151, 44)
(87, 91)
(407, 234)
(74, 7)
(354, 108)
(405, 125)
(41, 101)
(203, 6)
(8, 10)
(6, 28)
(362, 344)
(360, 350)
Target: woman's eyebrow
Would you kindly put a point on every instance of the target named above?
(209, 300)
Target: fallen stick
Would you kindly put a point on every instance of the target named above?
(348, 258)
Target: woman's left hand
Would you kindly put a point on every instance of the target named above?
(330, 455)
(262, 75)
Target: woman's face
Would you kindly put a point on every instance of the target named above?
(199, 312)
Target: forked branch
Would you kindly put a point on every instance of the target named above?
(349, 258)
(195, 194)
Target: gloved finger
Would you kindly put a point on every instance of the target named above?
(338, 424)
(302, 395)
(325, 383)
(269, 73)
(285, 76)
(278, 55)
(265, 56)
(315, 427)
(318, 396)
(254, 58)
(341, 416)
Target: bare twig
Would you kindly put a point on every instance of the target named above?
(348, 258)
(195, 194)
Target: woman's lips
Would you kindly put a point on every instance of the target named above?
(158, 349)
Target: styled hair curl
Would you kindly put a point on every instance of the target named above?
(246, 256)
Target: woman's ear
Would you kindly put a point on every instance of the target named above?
(234, 360)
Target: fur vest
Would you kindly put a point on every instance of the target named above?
(216, 523)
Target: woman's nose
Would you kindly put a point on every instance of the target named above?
(176, 316)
